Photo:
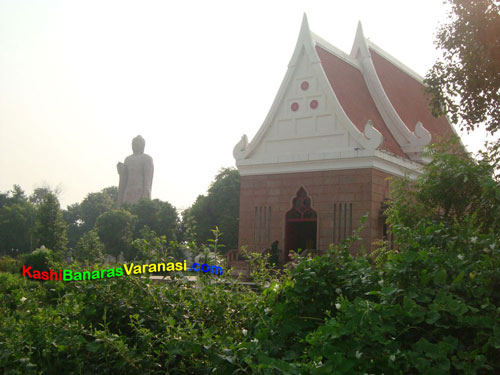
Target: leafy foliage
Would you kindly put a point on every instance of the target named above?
(160, 217)
(115, 229)
(89, 248)
(39, 259)
(219, 208)
(430, 304)
(50, 227)
(454, 188)
(17, 225)
(465, 83)
(81, 217)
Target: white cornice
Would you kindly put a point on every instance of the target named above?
(378, 159)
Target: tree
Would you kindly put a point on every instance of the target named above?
(74, 230)
(452, 188)
(50, 226)
(81, 217)
(115, 229)
(465, 82)
(40, 192)
(159, 216)
(89, 248)
(94, 205)
(17, 224)
(16, 195)
(219, 208)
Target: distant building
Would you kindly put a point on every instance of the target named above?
(339, 126)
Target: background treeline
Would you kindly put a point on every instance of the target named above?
(95, 227)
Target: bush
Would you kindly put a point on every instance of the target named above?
(89, 248)
(8, 264)
(40, 259)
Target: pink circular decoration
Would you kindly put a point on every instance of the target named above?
(313, 104)
(294, 106)
(304, 85)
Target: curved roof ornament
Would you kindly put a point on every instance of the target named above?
(241, 148)
(375, 138)
(412, 143)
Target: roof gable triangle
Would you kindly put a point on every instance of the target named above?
(306, 121)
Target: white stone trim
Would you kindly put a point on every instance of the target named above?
(378, 159)
(386, 55)
(412, 143)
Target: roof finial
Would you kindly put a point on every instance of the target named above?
(359, 29)
(359, 47)
(305, 41)
(305, 24)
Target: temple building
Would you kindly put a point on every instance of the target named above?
(340, 125)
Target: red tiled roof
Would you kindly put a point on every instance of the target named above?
(350, 88)
(407, 97)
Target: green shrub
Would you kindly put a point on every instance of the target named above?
(9, 264)
(40, 259)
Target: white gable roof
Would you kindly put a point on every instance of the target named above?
(307, 128)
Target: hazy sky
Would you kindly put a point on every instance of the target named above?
(80, 79)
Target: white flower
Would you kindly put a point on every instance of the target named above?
(255, 341)
(276, 287)
(381, 282)
(460, 256)
(392, 357)
(23, 299)
(358, 354)
(244, 331)
(473, 239)
(338, 290)
(267, 310)
(337, 305)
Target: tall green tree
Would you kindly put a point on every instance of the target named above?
(17, 224)
(465, 82)
(89, 248)
(81, 217)
(115, 230)
(159, 216)
(94, 205)
(219, 208)
(50, 226)
(40, 192)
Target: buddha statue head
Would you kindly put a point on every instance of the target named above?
(138, 144)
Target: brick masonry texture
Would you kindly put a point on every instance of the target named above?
(366, 189)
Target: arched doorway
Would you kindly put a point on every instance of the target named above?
(300, 224)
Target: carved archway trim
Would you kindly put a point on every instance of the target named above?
(301, 210)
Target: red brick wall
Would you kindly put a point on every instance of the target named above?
(366, 189)
(380, 193)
